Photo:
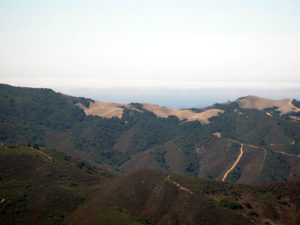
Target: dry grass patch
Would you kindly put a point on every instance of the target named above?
(162, 111)
(105, 109)
(284, 106)
(110, 109)
(217, 134)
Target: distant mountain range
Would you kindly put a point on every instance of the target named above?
(71, 160)
(249, 140)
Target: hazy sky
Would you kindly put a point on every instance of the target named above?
(141, 48)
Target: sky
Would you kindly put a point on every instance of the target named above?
(175, 53)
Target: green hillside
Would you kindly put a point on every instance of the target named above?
(43, 186)
(141, 139)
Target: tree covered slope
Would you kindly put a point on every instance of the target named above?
(44, 186)
(158, 139)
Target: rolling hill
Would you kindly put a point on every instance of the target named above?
(45, 186)
(250, 140)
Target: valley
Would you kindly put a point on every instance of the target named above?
(202, 142)
(73, 160)
(149, 112)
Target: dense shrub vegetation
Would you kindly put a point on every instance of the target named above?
(45, 118)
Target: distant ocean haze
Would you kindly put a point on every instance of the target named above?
(170, 93)
(176, 98)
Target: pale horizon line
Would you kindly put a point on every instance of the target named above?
(105, 84)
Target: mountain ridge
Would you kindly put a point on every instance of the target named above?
(142, 139)
(284, 106)
(63, 190)
(111, 109)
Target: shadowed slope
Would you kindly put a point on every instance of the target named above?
(42, 186)
(131, 137)
(157, 200)
(51, 188)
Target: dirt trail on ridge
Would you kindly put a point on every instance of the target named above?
(168, 179)
(235, 163)
(44, 154)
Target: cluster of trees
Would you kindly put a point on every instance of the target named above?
(27, 115)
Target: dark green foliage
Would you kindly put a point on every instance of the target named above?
(41, 117)
(103, 134)
(37, 190)
(125, 216)
(138, 106)
(251, 126)
(267, 198)
(85, 101)
(234, 175)
(252, 212)
(44, 107)
(278, 172)
(296, 103)
(228, 204)
(26, 114)
(293, 149)
(148, 192)
(192, 134)
(152, 131)
(197, 110)
(158, 155)
(246, 128)
(295, 114)
(226, 106)
(272, 110)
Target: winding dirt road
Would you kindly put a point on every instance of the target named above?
(235, 163)
(44, 154)
(168, 179)
(265, 155)
(287, 154)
